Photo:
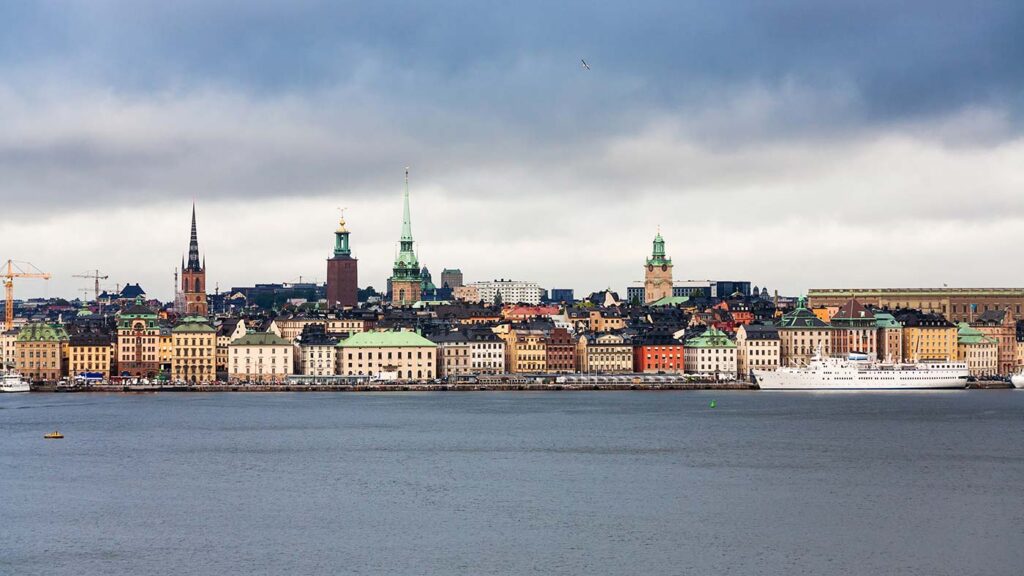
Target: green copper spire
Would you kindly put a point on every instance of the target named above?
(341, 248)
(406, 219)
(407, 265)
(658, 253)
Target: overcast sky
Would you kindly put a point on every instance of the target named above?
(792, 144)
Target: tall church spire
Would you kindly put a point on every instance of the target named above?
(194, 264)
(406, 219)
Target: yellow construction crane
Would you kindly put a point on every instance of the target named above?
(94, 275)
(16, 270)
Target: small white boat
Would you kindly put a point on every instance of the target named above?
(13, 382)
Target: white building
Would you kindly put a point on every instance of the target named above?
(710, 354)
(318, 355)
(757, 348)
(512, 291)
(259, 357)
(486, 353)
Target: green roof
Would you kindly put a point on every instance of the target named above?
(193, 324)
(885, 320)
(38, 332)
(670, 301)
(385, 340)
(711, 338)
(260, 339)
(801, 318)
(967, 335)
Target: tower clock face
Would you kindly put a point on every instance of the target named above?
(650, 268)
(664, 267)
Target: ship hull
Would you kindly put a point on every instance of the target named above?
(1018, 380)
(791, 381)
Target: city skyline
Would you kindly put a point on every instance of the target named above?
(812, 146)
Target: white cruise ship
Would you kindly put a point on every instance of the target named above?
(12, 382)
(857, 372)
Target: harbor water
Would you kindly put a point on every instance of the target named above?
(475, 483)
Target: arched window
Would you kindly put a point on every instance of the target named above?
(198, 289)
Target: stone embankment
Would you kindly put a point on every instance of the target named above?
(429, 387)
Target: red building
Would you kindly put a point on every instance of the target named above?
(742, 314)
(658, 353)
(561, 351)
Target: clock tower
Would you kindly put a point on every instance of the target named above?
(657, 273)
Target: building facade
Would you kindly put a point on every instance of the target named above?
(194, 351)
(260, 357)
(927, 337)
(90, 353)
(138, 341)
(40, 350)
(486, 352)
(980, 353)
(1000, 327)
(342, 271)
(455, 357)
(956, 304)
(854, 330)
(603, 354)
(659, 352)
(758, 347)
(525, 351)
(889, 337)
(801, 335)
(388, 355)
(8, 346)
(318, 354)
(559, 351)
(507, 292)
(711, 354)
(451, 278)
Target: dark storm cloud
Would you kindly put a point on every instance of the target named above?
(904, 58)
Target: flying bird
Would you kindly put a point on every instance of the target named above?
(584, 64)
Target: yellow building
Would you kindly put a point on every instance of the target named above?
(194, 351)
(608, 320)
(388, 355)
(525, 350)
(90, 353)
(928, 338)
(39, 352)
(8, 356)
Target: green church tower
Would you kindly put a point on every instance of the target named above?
(405, 277)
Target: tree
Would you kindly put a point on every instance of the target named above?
(497, 298)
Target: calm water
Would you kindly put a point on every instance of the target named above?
(514, 483)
